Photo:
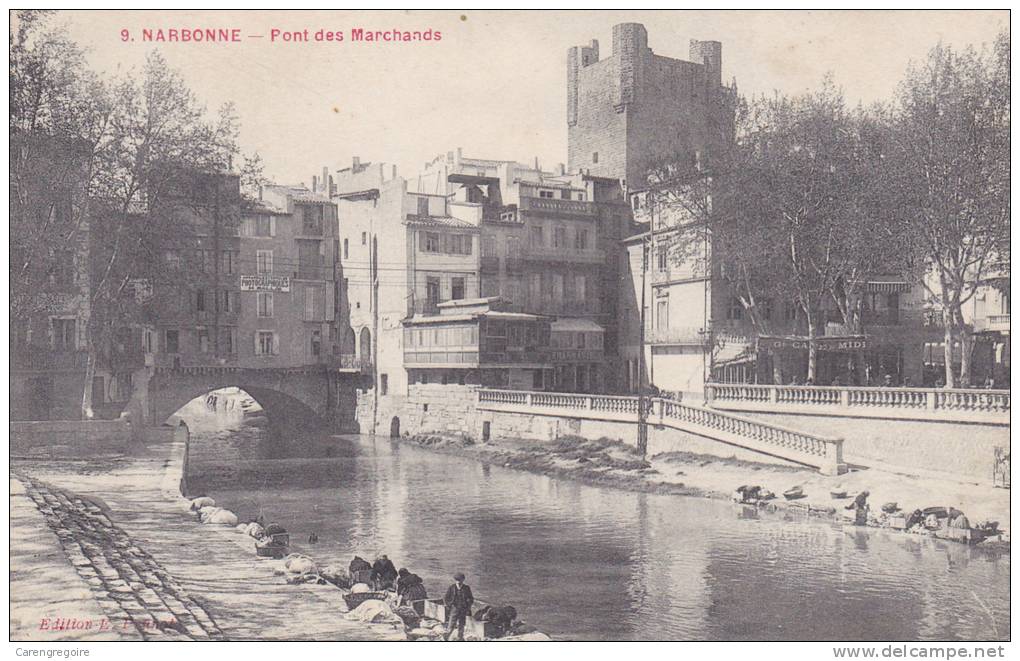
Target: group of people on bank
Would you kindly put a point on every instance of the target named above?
(410, 588)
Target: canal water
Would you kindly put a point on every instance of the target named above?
(584, 563)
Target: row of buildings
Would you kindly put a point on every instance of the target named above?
(483, 271)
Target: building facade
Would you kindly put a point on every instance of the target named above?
(287, 304)
(50, 278)
(548, 246)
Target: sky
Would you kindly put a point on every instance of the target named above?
(495, 84)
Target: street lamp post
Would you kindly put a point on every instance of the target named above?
(642, 431)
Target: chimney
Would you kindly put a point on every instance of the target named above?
(394, 172)
(536, 164)
(315, 183)
(562, 168)
(325, 178)
(459, 156)
(329, 191)
(355, 164)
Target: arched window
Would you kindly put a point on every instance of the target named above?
(366, 344)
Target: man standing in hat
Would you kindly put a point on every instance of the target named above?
(458, 602)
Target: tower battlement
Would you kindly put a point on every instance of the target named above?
(635, 107)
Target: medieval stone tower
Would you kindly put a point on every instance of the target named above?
(635, 108)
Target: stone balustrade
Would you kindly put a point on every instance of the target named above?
(823, 453)
(947, 405)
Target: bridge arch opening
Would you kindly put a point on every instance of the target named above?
(201, 404)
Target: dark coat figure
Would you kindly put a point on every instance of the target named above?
(358, 564)
(410, 587)
(861, 505)
(916, 518)
(383, 572)
(501, 616)
(458, 602)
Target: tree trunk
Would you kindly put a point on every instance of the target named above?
(947, 323)
(966, 351)
(812, 353)
(86, 397)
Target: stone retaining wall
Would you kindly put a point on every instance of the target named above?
(69, 439)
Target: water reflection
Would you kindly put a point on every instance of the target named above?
(589, 563)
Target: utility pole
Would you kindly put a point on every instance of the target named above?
(375, 331)
(642, 431)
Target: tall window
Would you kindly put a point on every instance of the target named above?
(662, 258)
(346, 249)
(65, 331)
(662, 314)
(581, 240)
(431, 243)
(537, 240)
(172, 341)
(513, 247)
(203, 340)
(423, 206)
(735, 309)
(457, 289)
(313, 217)
(557, 292)
(265, 343)
(228, 341)
(316, 342)
(260, 226)
(227, 262)
(535, 287)
(200, 301)
(489, 246)
(264, 261)
(265, 303)
(580, 289)
(560, 237)
(364, 238)
(313, 304)
(432, 289)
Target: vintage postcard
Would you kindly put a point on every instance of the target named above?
(511, 326)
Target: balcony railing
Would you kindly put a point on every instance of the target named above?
(987, 406)
(680, 335)
(822, 452)
(538, 205)
(565, 254)
(993, 322)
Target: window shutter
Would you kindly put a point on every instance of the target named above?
(330, 303)
(272, 226)
(276, 344)
(256, 336)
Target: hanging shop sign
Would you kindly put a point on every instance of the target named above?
(846, 343)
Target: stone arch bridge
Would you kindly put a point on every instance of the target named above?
(299, 399)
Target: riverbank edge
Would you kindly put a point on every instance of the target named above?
(167, 465)
(642, 482)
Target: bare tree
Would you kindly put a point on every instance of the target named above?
(952, 156)
(140, 138)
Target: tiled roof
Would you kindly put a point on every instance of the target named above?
(439, 221)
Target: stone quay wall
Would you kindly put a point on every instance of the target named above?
(64, 439)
